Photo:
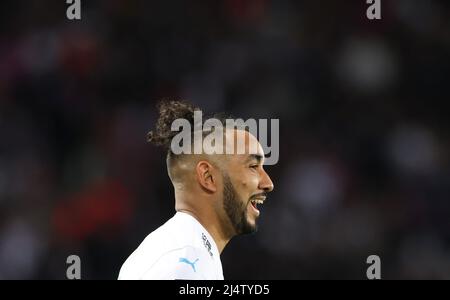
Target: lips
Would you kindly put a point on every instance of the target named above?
(254, 205)
(256, 202)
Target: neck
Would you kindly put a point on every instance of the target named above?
(211, 225)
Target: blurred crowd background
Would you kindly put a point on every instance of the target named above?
(364, 131)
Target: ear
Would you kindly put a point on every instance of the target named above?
(205, 176)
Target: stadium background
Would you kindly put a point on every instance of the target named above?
(364, 131)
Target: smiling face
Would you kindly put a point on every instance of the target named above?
(245, 185)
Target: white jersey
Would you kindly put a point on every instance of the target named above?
(179, 249)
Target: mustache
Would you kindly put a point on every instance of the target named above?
(263, 194)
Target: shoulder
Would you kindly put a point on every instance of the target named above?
(176, 250)
(184, 263)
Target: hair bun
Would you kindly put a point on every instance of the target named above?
(170, 110)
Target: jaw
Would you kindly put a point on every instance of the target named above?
(251, 218)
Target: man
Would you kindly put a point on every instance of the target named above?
(216, 198)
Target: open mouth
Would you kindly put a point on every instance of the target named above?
(256, 202)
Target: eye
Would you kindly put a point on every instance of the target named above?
(254, 167)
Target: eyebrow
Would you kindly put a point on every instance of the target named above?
(256, 157)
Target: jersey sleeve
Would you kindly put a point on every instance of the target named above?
(187, 263)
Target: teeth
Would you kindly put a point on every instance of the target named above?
(255, 202)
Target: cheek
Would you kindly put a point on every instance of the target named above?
(249, 184)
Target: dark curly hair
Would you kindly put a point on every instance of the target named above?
(170, 110)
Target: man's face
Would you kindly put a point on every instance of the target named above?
(245, 186)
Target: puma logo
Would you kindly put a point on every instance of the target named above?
(192, 264)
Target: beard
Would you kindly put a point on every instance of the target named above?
(235, 209)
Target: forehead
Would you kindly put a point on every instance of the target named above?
(242, 144)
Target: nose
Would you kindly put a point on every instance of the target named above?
(266, 183)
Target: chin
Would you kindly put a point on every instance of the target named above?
(250, 226)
